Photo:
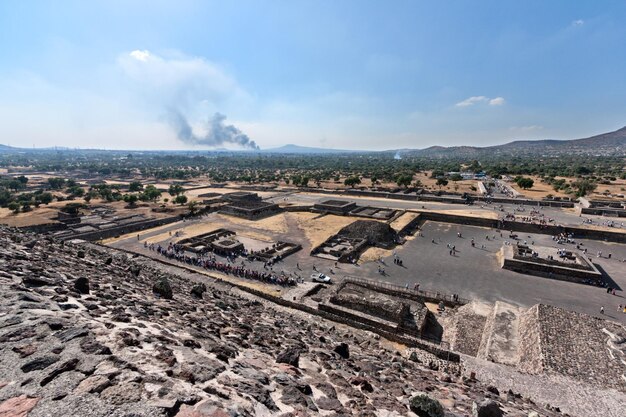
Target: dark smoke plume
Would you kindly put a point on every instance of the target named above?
(218, 133)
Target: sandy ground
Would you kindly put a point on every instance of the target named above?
(317, 229)
(192, 230)
(403, 220)
(374, 254)
(603, 191)
(539, 190)
(277, 223)
(615, 188)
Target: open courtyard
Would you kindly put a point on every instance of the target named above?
(471, 271)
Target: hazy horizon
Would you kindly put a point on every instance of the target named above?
(357, 75)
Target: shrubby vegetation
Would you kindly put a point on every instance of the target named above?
(297, 170)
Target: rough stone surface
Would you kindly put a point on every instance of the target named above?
(162, 288)
(17, 406)
(290, 356)
(82, 285)
(487, 408)
(425, 406)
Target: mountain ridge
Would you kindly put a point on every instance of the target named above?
(603, 143)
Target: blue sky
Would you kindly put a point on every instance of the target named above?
(340, 74)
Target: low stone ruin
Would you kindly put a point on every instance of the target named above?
(344, 207)
(401, 314)
(220, 241)
(546, 262)
(250, 209)
(353, 239)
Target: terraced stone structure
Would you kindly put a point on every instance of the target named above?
(340, 207)
(399, 313)
(587, 348)
(250, 210)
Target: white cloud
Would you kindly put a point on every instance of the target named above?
(471, 101)
(140, 55)
(578, 22)
(183, 82)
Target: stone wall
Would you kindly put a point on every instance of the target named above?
(250, 213)
(611, 212)
(580, 233)
(44, 228)
(124, 229)
(546, 270)
(356, 317)
(376, 305)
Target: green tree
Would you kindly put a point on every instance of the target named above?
(456, 177)
(135, 186)
(525, 182)
(584, 187)
(352, 181)
(15, 185)
(14, 206)
(180, 199)
(442, 182)
(151, 193)
(56, 183)
(176, 190)
(193, 207)
(404, 180)
(76, 191)
(131, 199)
(45, 198)
(72, 208)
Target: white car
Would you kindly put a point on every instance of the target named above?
(320, 278)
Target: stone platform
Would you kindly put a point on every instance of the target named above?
(546, 262)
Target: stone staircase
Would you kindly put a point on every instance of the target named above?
(500, 337)
(486, 331)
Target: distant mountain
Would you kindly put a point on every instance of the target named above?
(296, 149)
(8, 149)
(604, 144)
(611, 143)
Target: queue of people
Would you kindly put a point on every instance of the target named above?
(207, 261)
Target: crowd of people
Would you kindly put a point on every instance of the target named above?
(210, 262)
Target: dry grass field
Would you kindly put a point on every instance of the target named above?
(540, 189)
